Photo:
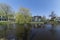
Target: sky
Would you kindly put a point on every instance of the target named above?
(36, 7)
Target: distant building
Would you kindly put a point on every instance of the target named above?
(3, 18)
(36, 19)
(58, 19)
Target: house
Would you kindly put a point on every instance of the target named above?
(4, 18)
(58, 19)
(36, 19)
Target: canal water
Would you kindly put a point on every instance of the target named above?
(47, 27)
(56, 31)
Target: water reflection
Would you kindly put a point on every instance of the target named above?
(48, 26)
(34, 30)
(57, 32)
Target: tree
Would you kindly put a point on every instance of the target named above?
(52, 15)
(20, 18)
(23, 16)
(26, 14)
(25, 11)
(5, 10)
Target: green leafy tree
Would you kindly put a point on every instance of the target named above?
(20, 18)
(5, 10)
(27, 14)
(23, 16)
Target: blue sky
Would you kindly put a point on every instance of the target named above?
(37, 7)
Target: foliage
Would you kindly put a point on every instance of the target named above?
(5, 10)
(23, 16)
(25, 11)
(52, 15)
(20, 18)
(27, 14)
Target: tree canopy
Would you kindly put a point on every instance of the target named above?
(23, 16)
(6, 10)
